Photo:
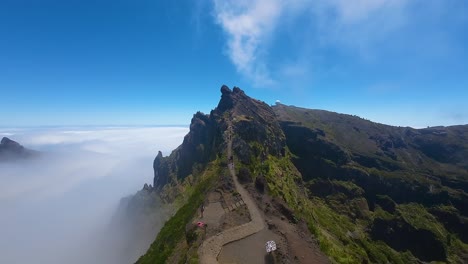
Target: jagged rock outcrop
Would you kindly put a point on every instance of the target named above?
(365, 185)
(161, 170)
(198, 147)
(253, 122)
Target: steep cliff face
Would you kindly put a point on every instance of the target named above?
(253, 122)
(200, 146)
(161, 170)
(368, 192)
(200, 165)
(417, 170)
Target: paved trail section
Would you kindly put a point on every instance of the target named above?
(213, 214)
(250, 250)
(211, 247)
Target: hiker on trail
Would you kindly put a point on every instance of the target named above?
(202, 209)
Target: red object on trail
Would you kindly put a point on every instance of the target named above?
(200, 224)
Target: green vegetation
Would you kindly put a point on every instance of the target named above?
(343, 239)
(370, 193)
(418, 217)
(377, 193)
(174, 229)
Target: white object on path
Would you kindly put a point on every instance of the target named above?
(270, 246)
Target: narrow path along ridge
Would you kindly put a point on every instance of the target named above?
(209, 250)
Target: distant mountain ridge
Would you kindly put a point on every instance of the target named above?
(399, 170)
(368, 192)
(12, 150)
(436, 152)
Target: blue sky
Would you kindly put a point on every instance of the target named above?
(400, 62)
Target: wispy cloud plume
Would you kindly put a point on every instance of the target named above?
(251, 26)
(248, 24)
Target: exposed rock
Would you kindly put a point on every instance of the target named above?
(260, 184)
(323, 188)
(385, 203)
(205, 141)
(284, 210)
(198, 147)
(225, 90)
(242, 150)
(161, 171)
(10, 144)
(254, 121)
(357, 175)
(12, 150)
(402, 236)
(244, 175)
(147, 187)
(452, 220)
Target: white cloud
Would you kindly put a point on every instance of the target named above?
(56, 207)
(250, 26)
(82, 154)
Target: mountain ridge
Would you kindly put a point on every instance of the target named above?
(12, 150)
(361, 187)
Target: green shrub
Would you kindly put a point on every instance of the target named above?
(174, 229)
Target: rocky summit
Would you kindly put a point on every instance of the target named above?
(326, 187)
(12, 150)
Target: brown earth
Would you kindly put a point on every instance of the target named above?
(239, 241)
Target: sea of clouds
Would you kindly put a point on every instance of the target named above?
(57, 208)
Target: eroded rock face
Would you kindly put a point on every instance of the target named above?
(452, 220)
(161, 171)
(253, 121)
(392, 166)
(402, 236)
(421, 162)
(359, 169)
(314, 153)
(225, 90)
(198, 147)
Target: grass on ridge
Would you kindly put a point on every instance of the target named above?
(174, 229)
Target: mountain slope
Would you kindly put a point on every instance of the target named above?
(408, 187)
(366, 192)
(12, 150)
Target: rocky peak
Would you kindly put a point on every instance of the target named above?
(159, 156)
(226, 101)
(10, 150)
(8, 143)
(199, 120)
(239, 103)
(253, 120)
(225, 90)
(231, 99)
(237, 90)
(157, 164)
(197, 147)
(147, 187)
